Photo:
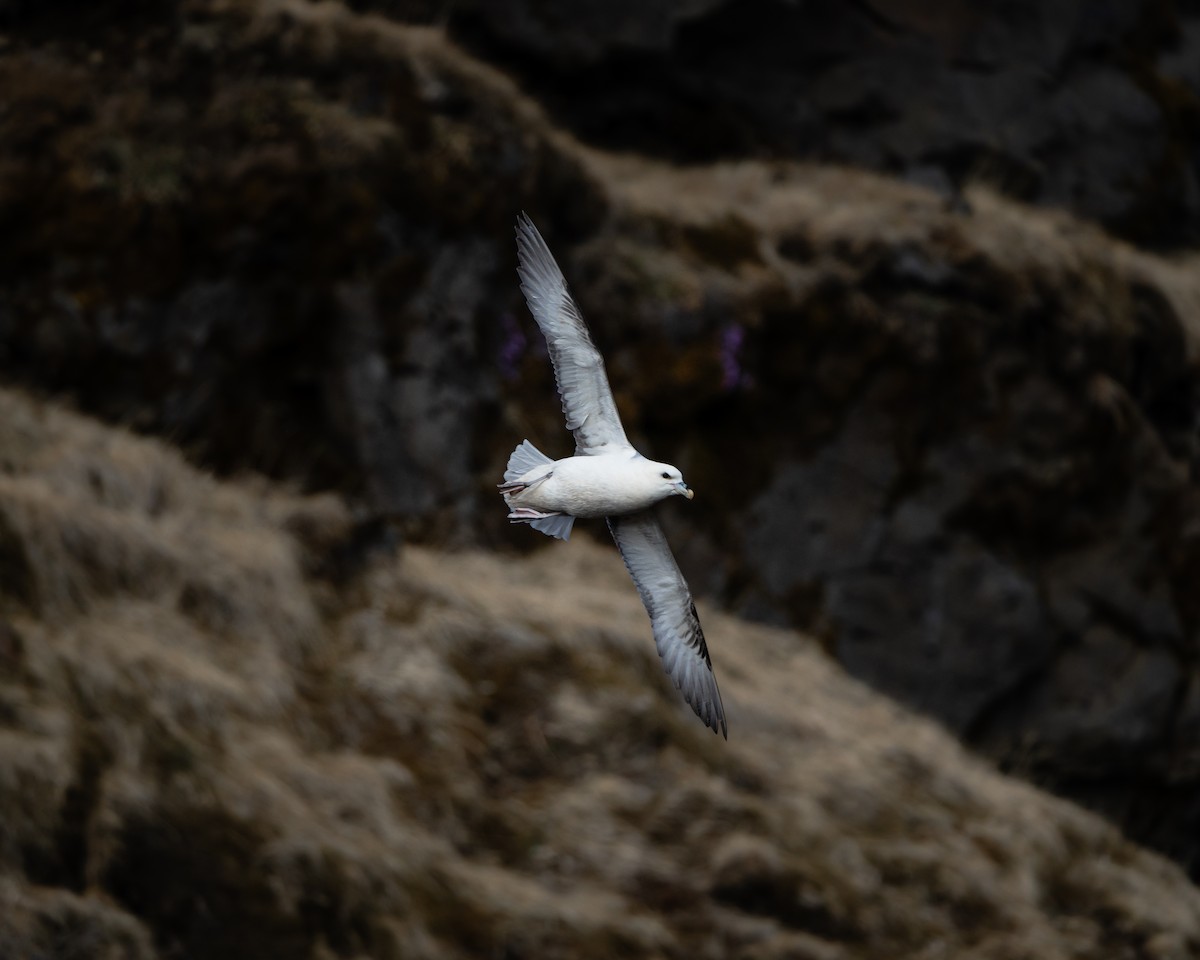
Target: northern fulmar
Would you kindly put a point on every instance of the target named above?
(607, 478)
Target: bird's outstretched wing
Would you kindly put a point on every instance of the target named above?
(676, 626)
(587, 399)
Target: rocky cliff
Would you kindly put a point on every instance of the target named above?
(951, 436)
(1093, 108)
(227, 730)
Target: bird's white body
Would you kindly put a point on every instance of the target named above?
(603, 486)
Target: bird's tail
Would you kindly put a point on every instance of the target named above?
(522, 460)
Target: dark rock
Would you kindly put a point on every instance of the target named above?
(1091, 108)
(195, 271)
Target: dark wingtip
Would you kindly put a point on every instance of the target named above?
(525, 226)
(712, 718)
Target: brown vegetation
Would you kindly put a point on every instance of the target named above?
(228, 732)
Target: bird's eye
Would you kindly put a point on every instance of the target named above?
(666, 476)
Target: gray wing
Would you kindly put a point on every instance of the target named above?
(587, 399)
(665, 594)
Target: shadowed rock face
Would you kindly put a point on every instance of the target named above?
(215, 744)
(234, 224)
(953, 440)
(1069, 104)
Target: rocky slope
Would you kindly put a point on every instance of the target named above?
(952, 438)
(227, 731)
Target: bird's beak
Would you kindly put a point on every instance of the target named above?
(683, 490)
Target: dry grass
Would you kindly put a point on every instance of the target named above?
(207, 750)
(753, 212)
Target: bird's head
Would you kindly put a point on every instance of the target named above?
(669, 480)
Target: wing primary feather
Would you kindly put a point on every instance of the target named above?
(587, 401)
(673, 618)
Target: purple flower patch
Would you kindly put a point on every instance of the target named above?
(512, 348)
(733, 376)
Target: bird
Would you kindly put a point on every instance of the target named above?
(606, 477)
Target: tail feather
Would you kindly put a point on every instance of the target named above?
(557, 526)
(523, 459)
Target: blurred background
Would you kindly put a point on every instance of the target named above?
(908, 290)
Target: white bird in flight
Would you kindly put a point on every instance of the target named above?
(606, 477)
